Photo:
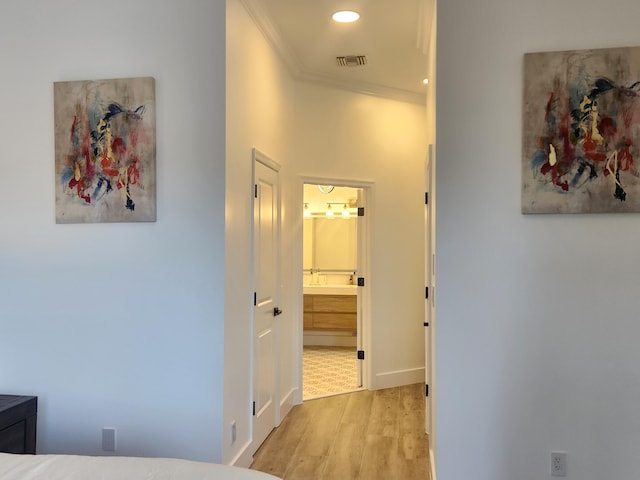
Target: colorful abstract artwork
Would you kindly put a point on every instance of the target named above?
(581, 131)
(105, 148)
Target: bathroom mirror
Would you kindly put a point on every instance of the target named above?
(329, 244)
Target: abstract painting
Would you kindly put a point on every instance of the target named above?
(105, 149)
(581, 131)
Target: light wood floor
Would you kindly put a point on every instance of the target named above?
(363, 435)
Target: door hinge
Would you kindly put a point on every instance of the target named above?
(426, 324)
(426, 390)
(360, 354)
(255, 190)
(361, 281)
(361, 211)
(426, 292)
(255, 299)
(426, 198)
(254, 409)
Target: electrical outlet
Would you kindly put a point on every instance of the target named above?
(233, 432)
(558, 464)
(109, 439)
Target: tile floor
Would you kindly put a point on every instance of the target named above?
(329, 371)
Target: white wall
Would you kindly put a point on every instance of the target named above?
(115, 325)
(537, 315)
(260, 115)
(344, 135)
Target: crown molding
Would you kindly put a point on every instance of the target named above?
(262, 20)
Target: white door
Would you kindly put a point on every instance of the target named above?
(429, 272)
(266, 279)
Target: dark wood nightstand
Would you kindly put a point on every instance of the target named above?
(18, 418)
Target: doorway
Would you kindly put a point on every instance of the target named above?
(333, 247)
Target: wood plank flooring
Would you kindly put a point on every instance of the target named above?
(365, 435)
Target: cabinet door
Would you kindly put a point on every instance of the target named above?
(307, 320)
(308, 303)
(335, 303)
(334, 321)
(12, 438)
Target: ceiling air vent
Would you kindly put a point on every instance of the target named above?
(352, 60)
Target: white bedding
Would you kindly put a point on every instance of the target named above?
(76, 467)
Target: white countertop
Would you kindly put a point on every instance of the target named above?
(329, 289)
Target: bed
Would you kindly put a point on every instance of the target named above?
(77, 467)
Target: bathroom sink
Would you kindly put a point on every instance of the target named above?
(329, 289)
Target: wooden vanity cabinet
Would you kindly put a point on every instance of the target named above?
(330, 312)
(308, 312)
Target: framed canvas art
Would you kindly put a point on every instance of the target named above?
(105, 150)
(581, 131)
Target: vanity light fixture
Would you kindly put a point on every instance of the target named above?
(345, 16)
(329, 213)
(307, 212)
(345, 212)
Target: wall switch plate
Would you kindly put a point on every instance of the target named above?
(109, 439)
(558, 464)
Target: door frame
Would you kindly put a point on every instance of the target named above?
(364, 296)
(430, 307)
(430, 276)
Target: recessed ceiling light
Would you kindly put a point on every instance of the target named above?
(345, 16)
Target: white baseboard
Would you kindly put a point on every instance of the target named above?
(243, 459)
(286, 404)
(399, 378)
(328, 339)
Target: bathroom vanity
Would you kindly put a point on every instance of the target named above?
(330, 308)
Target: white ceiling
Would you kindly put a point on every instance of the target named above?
(393, 34)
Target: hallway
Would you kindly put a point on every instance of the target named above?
(363, 435)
